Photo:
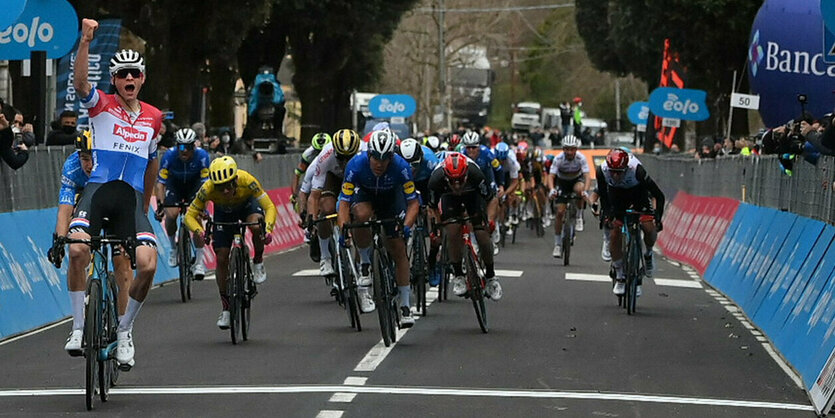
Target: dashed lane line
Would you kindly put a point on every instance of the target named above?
(692, 284)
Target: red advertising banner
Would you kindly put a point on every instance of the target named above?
(286, 234)
(694, 226)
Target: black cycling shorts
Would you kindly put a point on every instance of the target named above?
(566, 187)
(454, 206)
(121, 204)
(221, 235)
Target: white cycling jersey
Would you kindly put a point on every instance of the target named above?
(566, 169)
(628, 180)
(325, 163)
(511, 166)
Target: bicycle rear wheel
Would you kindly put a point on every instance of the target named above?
(92, 338)
(419, 272)
(381, 297)
(476, 292)
(233, 293)
(184, 259)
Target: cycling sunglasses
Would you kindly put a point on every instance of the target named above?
(185, 147)
(123, 73)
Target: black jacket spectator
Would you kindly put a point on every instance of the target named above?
(65, 133)
(15, 159)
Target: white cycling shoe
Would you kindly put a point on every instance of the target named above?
(258, 274)
(406, 318)
(172, 258)
(459, 285)
(494, 289)
(557, 251)
(578, 226)
(224, 319)
(366, 302)
(199, 270)
(124, 350)
(604, 252)
(326, 268)
(73, 345)
(620, 288)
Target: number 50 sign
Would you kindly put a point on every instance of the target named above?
(745, 101)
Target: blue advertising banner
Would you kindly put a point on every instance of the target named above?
(11, 11)
(102, 48)
(638, 113)
(44, 25)
(33, 292)
(392, 105)
(675, 103)
(785, 59)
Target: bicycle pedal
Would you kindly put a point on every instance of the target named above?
(125, 367)
(198, 277)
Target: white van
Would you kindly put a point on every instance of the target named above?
(526, 116)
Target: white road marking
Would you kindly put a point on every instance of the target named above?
(355, 381)
(411, 391)
(306, 273)
(342, 397)
(783, 365)
(678, 283)
(731, 308)
(588, 277)
(762, 339)
(37, 331)
(330, 414)
(509, 273)
(379, 352)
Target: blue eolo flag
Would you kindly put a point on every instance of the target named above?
(104, 46)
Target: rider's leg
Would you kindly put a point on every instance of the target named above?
(77, 278)
(257, 237)
(124, 276)
(397, 249)
(327, 206)
(616, 251)
(221, 273)
(362, 212)
(171, 215)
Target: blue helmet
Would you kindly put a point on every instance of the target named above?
(502, 150)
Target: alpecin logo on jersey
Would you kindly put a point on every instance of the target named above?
(129, 133)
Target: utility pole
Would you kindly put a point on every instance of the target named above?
(442, 65)
(617, 104)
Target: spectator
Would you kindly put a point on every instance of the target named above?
(66, 131)
(565, 118)
(15, 157)
(200, 129)
(706, 150)
(675, 149)
(165, 139)
(24, 132)
(537, 137)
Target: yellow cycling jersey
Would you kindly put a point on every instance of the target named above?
(247, 187)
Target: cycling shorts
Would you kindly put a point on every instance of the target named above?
(566, 187)
(385, 206)
(455, 206)
(221, 237)
(121, 204)
(622, 199)
(185, 192)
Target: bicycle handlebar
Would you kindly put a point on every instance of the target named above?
(96, 242)
(371, 222)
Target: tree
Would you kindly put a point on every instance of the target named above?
(710, 36)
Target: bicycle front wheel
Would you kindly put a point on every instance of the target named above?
(419, 271)
(382, 297)
(184, 263)
(477, 292)
(92, 338)
(109, 325)
(632, 272)
(247, 287)
(233, 293)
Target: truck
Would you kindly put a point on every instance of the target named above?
(471, 80)
(526, 116)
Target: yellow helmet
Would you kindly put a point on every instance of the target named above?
(223, 169)
(84, 141)
(346, 142)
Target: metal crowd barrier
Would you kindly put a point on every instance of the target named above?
(756, 180)
(36, 184)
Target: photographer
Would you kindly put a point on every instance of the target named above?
(14, 155)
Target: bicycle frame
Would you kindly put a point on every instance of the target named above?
(633, 266)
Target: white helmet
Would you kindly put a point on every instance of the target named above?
(126, 58)
(381, 144)
(432, 141)
(185, 136)
(470, 139)
(411, 151)
(570, 141)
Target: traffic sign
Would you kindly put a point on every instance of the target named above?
(745, 101)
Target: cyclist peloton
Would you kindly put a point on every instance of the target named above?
(623, 183)
(183, 170)
(459, 185)
(74, 176)
(328, 171)
(237, 196)
(569, 173)
(507, 197)
(121, 183)
(379, 182)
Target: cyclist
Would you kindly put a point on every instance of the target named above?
(525, 169)
(379, 182)
(183, 170)
(121, 183)
(569, 173)
(299, 198)
(328, 171)
(623, 183)
(493, 172)
(423, 161)
(539, 183)
(74, 176)
(510, 167)
(458, 184)
(237, 196)
(432, 142)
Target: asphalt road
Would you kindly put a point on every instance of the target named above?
(556, 347)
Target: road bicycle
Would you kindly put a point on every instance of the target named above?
(569, 224)
(343, 282)
(382, 274)
(633, 258)
(185, 251)
(240, 287)
(101, 316)
(474, 271)
(418, 257)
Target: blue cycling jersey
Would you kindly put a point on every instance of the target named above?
(73, 180)
(489, 165)
(358, 175)
(179, 174)
(427, 164)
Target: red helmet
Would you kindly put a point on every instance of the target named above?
(455, 166)
(454, 140)
(522, 150)
(617, 160)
